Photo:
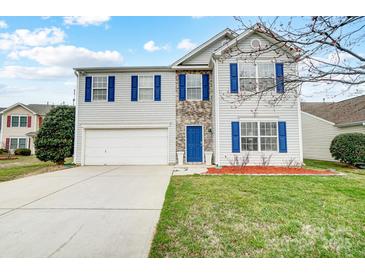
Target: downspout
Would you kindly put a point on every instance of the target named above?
(1, 131)
(300, 124)
(76, 114)
(216, 116)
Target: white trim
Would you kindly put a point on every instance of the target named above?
(107, 127)
(259, 121)
(226, 31)
(318, 118)
(153, 87)
(112, 126)
(186, 142)
(15, 105)
(299, 132)
(18, 115)
(76, 114)
(191, 67)
(216, 114)
(255, 63)
(201, 87)
(246, 33)
(92, 88)
(1, 131)
(19, 137)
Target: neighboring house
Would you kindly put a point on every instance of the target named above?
(19, 124)
(146, 115)
(324, 121)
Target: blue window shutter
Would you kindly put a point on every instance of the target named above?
(235, 137)
(205, 87)
(111, 88)
(279, 68)
(134, 88)
(233, 69)
(282, 137)
(157, 88)
(88, 81)
(182, 87)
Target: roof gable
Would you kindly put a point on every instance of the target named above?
(17, 105)
(206, 49)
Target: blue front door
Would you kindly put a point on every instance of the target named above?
(194, 148)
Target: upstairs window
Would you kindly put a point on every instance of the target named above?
(256, 77)
(14, 121)
(100, 88)
(145, 87)
(23, 121)
(193, 87)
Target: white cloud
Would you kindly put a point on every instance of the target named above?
(186, 44)
(85, 20)
(70, 56)
(151, 46)
(23, 72)
(3, 24)
(25, 37)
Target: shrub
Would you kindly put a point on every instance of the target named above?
(55, 139)
(349, 148)
(3, 150)
(22, 151)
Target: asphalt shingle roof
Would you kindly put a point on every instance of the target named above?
(343, 112)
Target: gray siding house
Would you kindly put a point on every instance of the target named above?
(152, 115)
(324, 121)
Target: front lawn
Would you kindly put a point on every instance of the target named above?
(263, 216)
(24, 166)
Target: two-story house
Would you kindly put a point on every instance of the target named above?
(19, 124)
(147, 115)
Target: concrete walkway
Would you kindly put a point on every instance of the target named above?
(82, 212)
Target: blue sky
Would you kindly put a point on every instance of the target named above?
(37, 53)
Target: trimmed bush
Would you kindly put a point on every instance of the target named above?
(22, 151)
(349, 148)
(3, 150)
(55, 139)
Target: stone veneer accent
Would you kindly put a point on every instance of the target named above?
(194, 113)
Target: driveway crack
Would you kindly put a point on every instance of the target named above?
(66, 242)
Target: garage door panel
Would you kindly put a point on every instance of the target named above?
(126, 147)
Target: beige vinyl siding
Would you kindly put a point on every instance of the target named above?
(19, 132)
(203, 57)
(287, 111)
(125, 112)
(318, 135)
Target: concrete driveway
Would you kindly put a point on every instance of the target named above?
(94, 211)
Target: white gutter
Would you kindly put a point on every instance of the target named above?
(76, 113)
(216, 116)
(1, 131)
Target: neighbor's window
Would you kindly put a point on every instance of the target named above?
(22, 143)
(256, 77)
(193, 87)
(249, 136)
(100, 88)
(23, 121)
(13, 143)
(14, 121)
(268, 136)
(145, 87)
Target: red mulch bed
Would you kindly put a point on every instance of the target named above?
(272, 170)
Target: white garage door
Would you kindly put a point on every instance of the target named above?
(126, 146)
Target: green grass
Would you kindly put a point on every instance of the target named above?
(263, 216)
(24, 166)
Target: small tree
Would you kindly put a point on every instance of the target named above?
(349, 148)
(55, 139)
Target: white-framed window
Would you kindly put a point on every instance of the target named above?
(255, 77)
(100, 88)
(19, 121)
(259, 136)
(18, 143)
(146, 87)
(194, 87)
(268, 136)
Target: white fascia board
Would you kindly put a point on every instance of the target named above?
(318, 118)
(101, 126)
(15, 105)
